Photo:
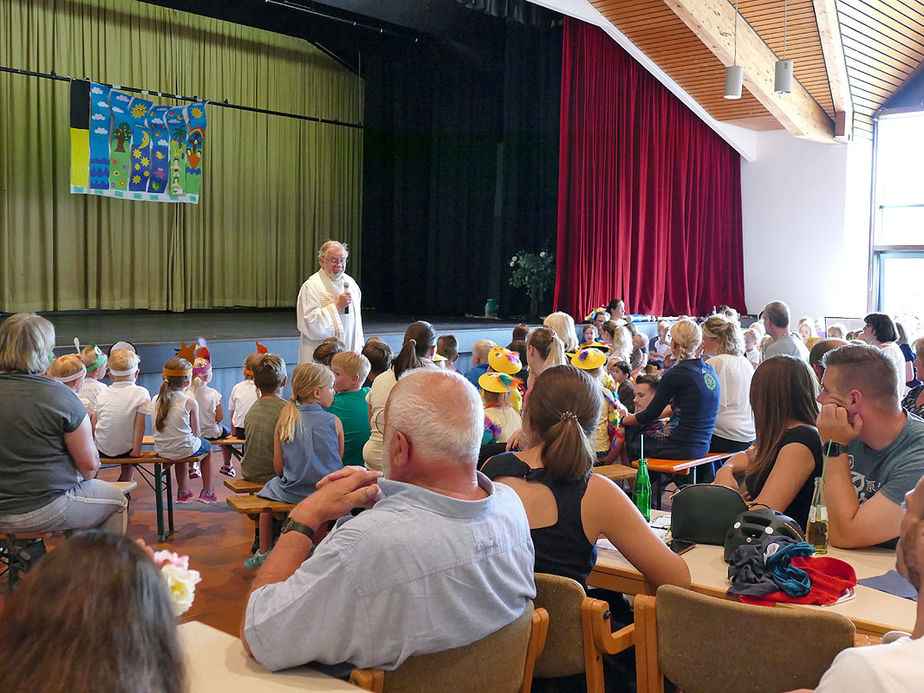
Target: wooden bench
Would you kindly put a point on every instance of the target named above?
(615, 472)
(231, 442)
(238, 485)
(254, 505)
(159, 481)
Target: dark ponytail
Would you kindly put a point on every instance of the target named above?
(419, 338)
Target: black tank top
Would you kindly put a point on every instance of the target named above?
(562, 548)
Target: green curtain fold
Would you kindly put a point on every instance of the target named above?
(273, 188)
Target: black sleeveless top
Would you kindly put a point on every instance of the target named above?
(562, 548)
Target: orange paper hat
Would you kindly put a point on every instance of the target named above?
(261, 349)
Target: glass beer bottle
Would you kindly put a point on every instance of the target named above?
(817, 529)
(641, 492)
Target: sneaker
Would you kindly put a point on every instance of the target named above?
(255, 561)
(194, 472)
(184, 496)
(207, 496)
(228, 471)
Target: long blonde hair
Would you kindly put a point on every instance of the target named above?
(172, 387)
(200, 381)
(306, 378)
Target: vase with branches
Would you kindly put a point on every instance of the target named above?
(536, 272)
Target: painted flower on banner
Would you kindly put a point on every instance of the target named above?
(138, 110)
(136, 153)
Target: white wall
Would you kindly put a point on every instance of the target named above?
(805, 213)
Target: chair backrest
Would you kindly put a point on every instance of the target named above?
(706, 644)
(564, 647)
(501, 662)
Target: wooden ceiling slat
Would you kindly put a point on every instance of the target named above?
(870, 53)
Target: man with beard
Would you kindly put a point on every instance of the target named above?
(895, 667)
(329, 304)
(442, 557)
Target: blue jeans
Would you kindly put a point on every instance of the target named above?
(91, 504)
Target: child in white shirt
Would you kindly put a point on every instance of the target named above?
(119, 419)
(210, 411)
(69, 371)
(243, 395)
(95, 362)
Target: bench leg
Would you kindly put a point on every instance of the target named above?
(169, 501)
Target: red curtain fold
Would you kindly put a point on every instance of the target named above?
(649, 197)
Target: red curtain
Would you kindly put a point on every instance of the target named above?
(649, 197)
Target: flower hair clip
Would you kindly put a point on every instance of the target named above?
(565, 415)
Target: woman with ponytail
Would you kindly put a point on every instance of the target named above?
(307, 446)
(416, 352)
(568, 506)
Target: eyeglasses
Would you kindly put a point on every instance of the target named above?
(336, 260)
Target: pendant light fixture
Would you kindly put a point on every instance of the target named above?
(782, 77)
(734, 73)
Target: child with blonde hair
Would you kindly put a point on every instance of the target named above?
(121, 411)
(350, 371)
(243, 395)
(176, 429)
(69, 371)
(308, 445)
(95, 361)
(501, 421)
(210, 411)
(593, 362)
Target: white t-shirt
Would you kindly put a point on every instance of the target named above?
(208, 400)
(176, 441)
(243, 395)
(376, 398)
(892, 668)
(735, 420)
(92, 387)
(894, 352)
(508, 420)
(116, 408)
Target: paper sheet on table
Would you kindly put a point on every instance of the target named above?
(661, 526)
(891, 583)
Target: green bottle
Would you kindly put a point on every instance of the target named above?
(641, 493)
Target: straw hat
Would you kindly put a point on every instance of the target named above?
(504, 361)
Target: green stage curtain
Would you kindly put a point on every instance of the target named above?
(273, 188)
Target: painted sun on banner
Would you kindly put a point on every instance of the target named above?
(126, 146)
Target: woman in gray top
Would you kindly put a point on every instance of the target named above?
(47, 455)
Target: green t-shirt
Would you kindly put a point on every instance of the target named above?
(260, 424)
(353, 412)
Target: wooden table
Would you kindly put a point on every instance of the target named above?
(217, 661)
(872, 612)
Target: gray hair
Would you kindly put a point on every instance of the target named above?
(440, 413)
(777, 313)
(26, 342)
(329, 245)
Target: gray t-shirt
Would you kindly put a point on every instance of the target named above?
(790, 344)
(895, 469)
(35, 467)
(260, 424)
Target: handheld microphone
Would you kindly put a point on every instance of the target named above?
(346, 287)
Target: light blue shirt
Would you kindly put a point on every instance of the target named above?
(420, 572)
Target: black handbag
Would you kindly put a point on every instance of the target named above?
(704, 512)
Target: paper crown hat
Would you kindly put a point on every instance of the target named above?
(599, 346)
(590, 316)
(588, 359)
(192, 352)
(498, 382)
(100, 356)
(261, 349)
(438, 358)
(504, 361)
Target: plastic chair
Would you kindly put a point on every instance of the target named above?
(579, 632)
(501, 663)
(705, 645)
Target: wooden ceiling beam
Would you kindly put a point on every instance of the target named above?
(832, 48)
(713, 22)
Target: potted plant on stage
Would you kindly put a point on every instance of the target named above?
(535, 271)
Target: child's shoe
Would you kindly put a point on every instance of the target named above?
(255, 561)
(194, 472)
(184, 496)
(207, 496)
(228, 471)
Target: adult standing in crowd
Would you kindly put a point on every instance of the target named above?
(879, 330)
(47, 455)
(329, 304)
(734, 425)
(782, 339)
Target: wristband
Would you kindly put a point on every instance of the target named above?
(291, 525)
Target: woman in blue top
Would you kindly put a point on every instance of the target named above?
(691, 388)
(307, 446)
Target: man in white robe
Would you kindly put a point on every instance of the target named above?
(329, 304)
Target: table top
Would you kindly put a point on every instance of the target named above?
(217, 661)
(872, 611)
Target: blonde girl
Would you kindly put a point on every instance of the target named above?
(70, 371)
(210, 411)
(176, 429)
(307, 445)
(96, 363)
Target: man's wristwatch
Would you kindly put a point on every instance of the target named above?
(291, 525)
(833, 449)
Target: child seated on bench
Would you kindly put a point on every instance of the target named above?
(210, 410)
(69, 371)
(119, 419)
(309, 446)
(269, 375)
(243, 395)
(176, 429)
(350, 371)
(95, 362)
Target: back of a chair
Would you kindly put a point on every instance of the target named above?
(706, 644)
(564, 649)
(496, 663)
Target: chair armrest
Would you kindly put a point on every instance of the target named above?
(595, 613)
(368, 679)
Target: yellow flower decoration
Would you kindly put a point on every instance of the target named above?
(137, 167)
(136, 179)
(145, 161)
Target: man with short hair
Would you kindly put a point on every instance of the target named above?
(442, 558)
(875, 449)
(819, 350)
(480, 351)
(896, 666)
(783, 340)
(329, 304)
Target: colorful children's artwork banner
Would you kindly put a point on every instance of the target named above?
(126, 146)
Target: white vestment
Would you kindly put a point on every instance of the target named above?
(319, 318)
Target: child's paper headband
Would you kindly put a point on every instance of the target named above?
(100, 356)
(71, 378)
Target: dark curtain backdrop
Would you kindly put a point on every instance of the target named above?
(460, 171)
(649, 203)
